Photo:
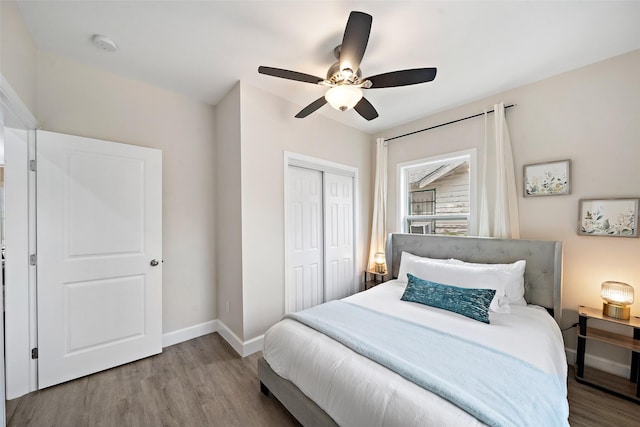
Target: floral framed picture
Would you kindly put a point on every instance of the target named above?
(608, 217)
(546, 179)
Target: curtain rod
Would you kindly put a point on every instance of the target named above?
(448, 123)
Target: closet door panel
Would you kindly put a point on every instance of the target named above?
(338, 235)
(305, 233)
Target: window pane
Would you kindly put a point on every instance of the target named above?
(422, 202)
(438, 197)
(451, 227)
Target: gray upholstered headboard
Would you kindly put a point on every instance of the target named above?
(542, 276)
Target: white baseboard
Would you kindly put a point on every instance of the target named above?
(230, 337)
(189, 333)
(600, 363)
(254, 345)
(244, 349)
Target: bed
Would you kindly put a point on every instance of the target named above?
(333, 376)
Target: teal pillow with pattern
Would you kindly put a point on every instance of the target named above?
(472, 303)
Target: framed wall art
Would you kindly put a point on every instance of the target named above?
(546, 179)
(608, 217)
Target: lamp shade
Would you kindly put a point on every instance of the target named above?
(343, 97)
(617, 296)
(380, 261)
(617, 293)
(379, 258)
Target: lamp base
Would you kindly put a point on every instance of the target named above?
(622, 312)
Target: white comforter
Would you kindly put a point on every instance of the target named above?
(356, 391)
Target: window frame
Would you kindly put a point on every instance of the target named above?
(403, 194)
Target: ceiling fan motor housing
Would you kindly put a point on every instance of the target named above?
(336, 76)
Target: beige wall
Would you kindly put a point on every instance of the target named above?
(268, 130)
(588, 115)
(18, 54)
(591, 116)
(80, 100)
(229, 219)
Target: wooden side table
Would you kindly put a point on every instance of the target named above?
(372, 278)
(585, 332)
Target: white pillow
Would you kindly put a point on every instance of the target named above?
(410, 263)
(515, 286)
(464, 276)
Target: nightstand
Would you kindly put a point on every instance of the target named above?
(627, 390)
(372, 278)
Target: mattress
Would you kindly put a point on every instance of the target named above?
(356, 391)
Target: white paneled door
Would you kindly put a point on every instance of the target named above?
(99, 255)
(305, 236)
(338, 236)
(320, 237)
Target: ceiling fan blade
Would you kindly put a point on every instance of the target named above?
(365, 109)
(311, 107)
(402, 78)
(354, 40)
(291, 75)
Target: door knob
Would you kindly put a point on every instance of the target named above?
(154, 262)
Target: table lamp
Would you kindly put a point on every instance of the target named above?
(380, 262)
(617, 296)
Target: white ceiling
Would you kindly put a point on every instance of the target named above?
(201, 49)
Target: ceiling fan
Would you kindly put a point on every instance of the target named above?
(344, 78)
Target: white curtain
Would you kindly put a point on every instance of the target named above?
(379, 220)
(498, 197)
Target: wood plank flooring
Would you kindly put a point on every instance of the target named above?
(591, 407)
(203, 382)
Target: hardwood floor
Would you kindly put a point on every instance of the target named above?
(203, 382)
(591, 407)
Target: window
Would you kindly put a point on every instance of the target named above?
(437, 195)
(421, 203)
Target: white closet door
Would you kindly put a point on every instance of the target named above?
(99, 239)
(304, 200)
(338, 236)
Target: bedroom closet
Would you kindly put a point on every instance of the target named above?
(319, 234)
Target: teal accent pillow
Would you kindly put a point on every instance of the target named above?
(473, 303)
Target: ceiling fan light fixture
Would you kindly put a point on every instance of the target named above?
(343, 97)
(347, 74)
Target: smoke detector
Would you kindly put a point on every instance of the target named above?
(104, 43)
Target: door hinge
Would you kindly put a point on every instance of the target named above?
(33, 259)
(34, 353)
(32, 165)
